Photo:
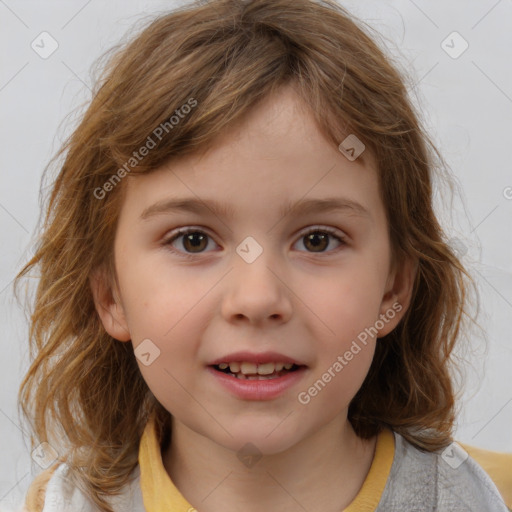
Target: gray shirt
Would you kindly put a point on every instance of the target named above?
(446, 481)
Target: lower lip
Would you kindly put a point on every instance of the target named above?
(258, 389)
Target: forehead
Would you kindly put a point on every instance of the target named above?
(274, 157)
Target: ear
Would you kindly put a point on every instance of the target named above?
(397, 296)
(108, 305)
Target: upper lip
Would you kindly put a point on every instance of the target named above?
(251, 357)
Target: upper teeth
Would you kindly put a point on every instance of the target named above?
(252, 368)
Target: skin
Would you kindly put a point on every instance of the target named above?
(307, 303)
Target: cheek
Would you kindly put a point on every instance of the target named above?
(171, 328)
(346, 301)
(168, 382)
(347, 304)
(156, 297)
(336, 382)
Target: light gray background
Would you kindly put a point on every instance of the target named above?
(467, 103)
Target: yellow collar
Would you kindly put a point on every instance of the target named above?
(161, 495)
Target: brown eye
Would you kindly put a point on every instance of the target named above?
(318, 240)
(193, 241)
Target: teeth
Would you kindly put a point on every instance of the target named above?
(265, 369)
(247, 368)
(241, 376)
(234, 367)
(260, 377)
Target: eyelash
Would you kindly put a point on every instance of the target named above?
(185, 231)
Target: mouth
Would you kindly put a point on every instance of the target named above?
(251, 371)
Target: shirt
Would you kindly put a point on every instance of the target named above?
(401, 478)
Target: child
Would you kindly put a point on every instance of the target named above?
(245, 298)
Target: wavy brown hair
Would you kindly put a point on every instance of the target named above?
(228, 55)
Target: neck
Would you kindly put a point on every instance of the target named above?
(322, 472)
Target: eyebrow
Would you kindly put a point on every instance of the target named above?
(301, 207)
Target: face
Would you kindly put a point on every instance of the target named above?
(307, 285)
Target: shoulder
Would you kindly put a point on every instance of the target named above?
(498, 466)
(53, 491)
(449, 480)
(463, 478)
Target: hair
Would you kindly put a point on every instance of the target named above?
(227, 55)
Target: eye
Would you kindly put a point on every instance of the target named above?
(195, 241)
(317, 239)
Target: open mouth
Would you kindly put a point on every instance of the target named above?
(255, 375)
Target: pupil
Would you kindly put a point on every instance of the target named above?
(189, 239)
(316, 239)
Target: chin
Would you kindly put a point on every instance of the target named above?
(258, 441)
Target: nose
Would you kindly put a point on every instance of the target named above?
(257, 292)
